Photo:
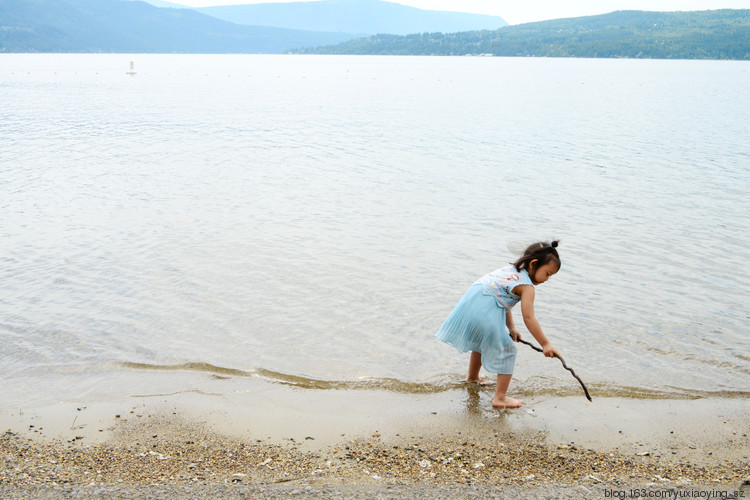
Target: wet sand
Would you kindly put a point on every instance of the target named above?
(363, 444)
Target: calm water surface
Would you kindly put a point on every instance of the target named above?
(312, 220)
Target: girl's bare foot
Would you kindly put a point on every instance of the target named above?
(480, 381)
(506, 402)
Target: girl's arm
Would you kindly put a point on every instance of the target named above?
(527, 294)
(514, 334)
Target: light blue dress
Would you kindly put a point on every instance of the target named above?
(477, 323)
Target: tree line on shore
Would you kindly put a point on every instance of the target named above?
(714, 34)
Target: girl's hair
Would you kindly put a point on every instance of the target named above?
(542, 251)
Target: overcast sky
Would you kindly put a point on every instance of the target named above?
(524, 11)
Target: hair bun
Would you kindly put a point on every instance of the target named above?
(554, 244)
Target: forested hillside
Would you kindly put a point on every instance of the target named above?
(117, 26)
(715, 34)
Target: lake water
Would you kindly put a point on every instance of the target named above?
(312, 220)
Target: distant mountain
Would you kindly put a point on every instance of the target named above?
(133, 26)
(353, 16)
(162, 3)
(714, 34)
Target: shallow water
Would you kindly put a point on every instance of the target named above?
(312, 220)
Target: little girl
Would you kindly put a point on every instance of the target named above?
(482, 322)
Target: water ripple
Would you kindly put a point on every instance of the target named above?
(323, 215)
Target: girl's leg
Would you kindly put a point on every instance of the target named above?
(475, 364)
(501, 400)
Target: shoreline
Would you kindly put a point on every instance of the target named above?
(355, 443)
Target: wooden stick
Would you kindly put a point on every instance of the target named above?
(585, 390)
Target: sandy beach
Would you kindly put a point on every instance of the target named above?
(367, 444)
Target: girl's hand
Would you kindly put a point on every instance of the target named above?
(550, 351)
(515, 335)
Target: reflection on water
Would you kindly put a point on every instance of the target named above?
(473, 406)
